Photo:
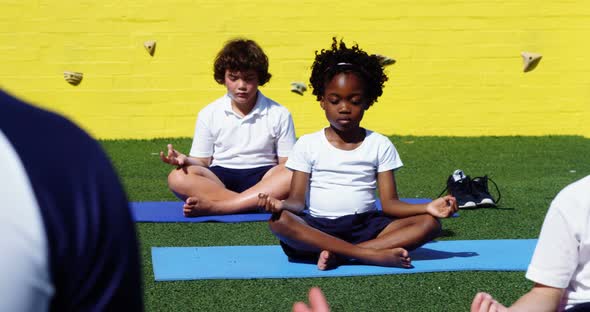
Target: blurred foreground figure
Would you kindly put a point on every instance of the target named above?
(67, 238)
(560, 267)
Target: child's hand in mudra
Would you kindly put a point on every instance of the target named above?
(173, 157)
(269, 203)
(442, 207)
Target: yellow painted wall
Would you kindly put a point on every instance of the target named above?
(458, 70)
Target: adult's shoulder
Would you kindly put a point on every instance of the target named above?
(31, 129)
(13, 108)
(50, 145)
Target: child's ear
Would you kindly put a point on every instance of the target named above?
(322, 103)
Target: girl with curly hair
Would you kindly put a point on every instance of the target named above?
(339, 168)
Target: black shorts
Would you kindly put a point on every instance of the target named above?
(239, 180)
(356, 228)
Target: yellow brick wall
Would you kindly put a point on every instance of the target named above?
(458, 70)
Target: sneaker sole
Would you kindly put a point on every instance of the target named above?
(486, 202)
(468, 204)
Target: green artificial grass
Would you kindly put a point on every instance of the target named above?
(529, 171)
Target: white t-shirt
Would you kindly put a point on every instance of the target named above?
(562, 255)
(254, 140)
(342, 182)
(24, 269)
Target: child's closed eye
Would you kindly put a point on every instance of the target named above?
(355, 102)
(333, 100)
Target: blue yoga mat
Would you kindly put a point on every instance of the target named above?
(172, 212)
(247, 262)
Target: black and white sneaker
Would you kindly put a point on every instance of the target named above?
(481, 193)
(459, 185)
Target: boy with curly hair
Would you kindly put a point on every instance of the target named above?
(241, 140)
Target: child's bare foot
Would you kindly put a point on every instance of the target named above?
(194, 207)
(328, 260)
(396, 257)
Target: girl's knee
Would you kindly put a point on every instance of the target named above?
(431, 224)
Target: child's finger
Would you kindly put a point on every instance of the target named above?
(265, 201)
(318, 301)
(264, 204)
(171, 150)
(278, 206)
(451, 203)
(162, 157)
(300, 307)
(499, 307)
(260, 202)
(476, 303)
(270, 204)
(494, 306)
(485, 303)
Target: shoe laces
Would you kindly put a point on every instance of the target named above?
(495, 185)
(467, 185)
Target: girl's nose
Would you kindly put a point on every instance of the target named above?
(344, 107)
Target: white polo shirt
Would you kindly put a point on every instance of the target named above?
(236, 142)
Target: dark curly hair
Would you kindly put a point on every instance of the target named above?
(241, 54)
(340, 59)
